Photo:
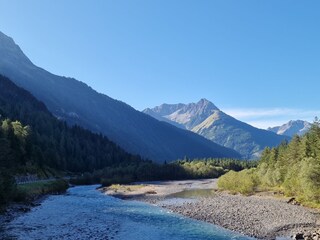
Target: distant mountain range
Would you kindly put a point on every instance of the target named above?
(292, 128)
(205, 119)
(75, 102)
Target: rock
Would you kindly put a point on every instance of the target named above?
(151, 192)
(293, 201)
(35, 204)
(24, 209)
(298, 236)
(317, 237)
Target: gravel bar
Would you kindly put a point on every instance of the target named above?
(252, 216)
(259, 216)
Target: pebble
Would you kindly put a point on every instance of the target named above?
(259, 217)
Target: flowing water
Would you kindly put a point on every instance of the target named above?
(85, 213)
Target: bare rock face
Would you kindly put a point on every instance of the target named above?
(292, 128)
(206, 119)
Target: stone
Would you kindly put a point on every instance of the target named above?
(298, 236)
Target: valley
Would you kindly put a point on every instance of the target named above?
(162, 120)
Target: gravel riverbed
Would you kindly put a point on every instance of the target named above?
(252, 216)
(262, 217)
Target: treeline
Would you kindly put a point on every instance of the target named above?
(33, 141)
(293, 168)
(51, 142)
(213, 167)
(13, 146)
(178, 170)
(38, 142)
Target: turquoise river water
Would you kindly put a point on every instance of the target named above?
(85, 213)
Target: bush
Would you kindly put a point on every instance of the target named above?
(244, 182)
(7, 187)
(31, 191)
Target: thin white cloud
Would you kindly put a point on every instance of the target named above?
(270, 117)
(252, 112)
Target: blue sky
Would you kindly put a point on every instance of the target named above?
(257, 60)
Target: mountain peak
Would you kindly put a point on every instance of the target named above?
(204, 100)
(8, 42)
(291, 128)
(205, 119)
(5, 37)
(189, 114)
(11, 52)
(205, 103)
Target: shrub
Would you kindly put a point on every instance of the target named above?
(244, 182)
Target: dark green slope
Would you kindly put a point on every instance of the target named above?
(77, 103)
(48, 141)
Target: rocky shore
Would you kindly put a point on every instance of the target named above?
(252, 216)
(262, 217)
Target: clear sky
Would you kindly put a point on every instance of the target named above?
(257, 60)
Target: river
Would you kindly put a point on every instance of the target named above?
(85, 213)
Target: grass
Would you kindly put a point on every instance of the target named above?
(310, 204)
(31, 191)
(129, 188)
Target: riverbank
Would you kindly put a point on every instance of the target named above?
(30, 195)
(85, 213)
(262, 216)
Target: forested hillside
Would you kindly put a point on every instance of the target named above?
(33, 141)
(48, 141)
(293, 168)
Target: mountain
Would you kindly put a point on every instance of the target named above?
(292, 128)
(44, 141)
(186, 116)
(75, 102)
(205, 119)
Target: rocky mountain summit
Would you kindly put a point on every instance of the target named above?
(206, 119)
(292, 128)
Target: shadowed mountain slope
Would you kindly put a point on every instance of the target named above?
(77, 103)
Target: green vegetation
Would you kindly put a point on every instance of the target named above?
(42, 140)
(31, 190)
(33, 141)
(129, 188)
(244, 182)
(293, 168)
(148, 171)
(213, 167)
(7, 187)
